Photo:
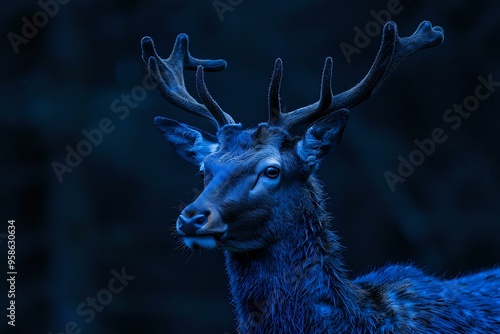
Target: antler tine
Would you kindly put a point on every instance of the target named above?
(273, 95)
(304, 114)
(208, 101)
(168, 74)
(393, 50)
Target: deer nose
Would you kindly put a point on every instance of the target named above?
(189, 225)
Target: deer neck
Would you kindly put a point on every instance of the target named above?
(294, 284)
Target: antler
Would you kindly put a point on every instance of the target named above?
(168, 74)
(393, 50)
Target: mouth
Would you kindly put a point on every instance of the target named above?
(208, 241)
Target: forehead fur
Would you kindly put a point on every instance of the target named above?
(233, 138)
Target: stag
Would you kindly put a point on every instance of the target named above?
(264, 207)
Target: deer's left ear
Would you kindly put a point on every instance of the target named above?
(189, 142)
(322, 137)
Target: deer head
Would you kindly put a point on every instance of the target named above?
(258, 176)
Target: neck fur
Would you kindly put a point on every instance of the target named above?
(296, 284)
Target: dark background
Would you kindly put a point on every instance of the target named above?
(117, 208)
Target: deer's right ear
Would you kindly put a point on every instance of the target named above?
(189, 142)
(322, 137)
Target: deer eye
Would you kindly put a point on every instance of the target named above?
(272, 172)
